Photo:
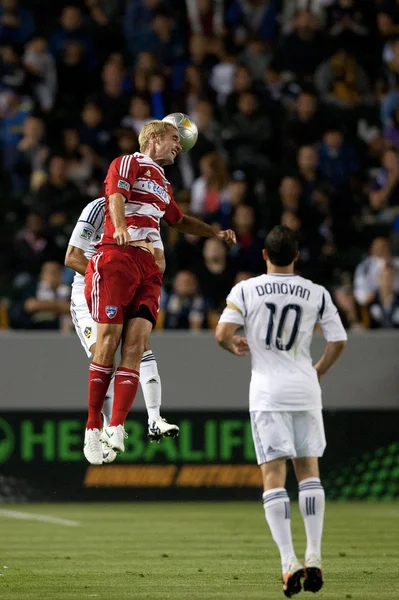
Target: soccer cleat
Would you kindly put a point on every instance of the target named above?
(161, 428)
(292, 578)
(92, 447)
(109, 455)
(313, 581)
(114, 438)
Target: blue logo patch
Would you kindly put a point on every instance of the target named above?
(111, 311)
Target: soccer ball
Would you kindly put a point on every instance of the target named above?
(187, 129)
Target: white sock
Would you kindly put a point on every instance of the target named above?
(108, 402)
(312, 504)
(151, 385)
(278, 515)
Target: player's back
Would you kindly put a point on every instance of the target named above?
(281, 313)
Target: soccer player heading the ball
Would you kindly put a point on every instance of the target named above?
(279, 312)
(123, 280)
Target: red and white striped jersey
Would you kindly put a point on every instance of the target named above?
(148, 197)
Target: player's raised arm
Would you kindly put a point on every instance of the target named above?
(194, 226)
(334, 333)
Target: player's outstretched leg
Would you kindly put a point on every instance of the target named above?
(312, 505)
(150, 381)
(278, 516)
(127, 377)
(99, 379)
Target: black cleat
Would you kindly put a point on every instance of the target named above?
(313, 581)
(292, 579)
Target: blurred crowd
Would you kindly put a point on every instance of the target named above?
(297, 106)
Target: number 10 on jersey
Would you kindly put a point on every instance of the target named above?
(279, 344)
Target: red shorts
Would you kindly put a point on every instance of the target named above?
(120, 280)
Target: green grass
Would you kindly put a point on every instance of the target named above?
(190, 551)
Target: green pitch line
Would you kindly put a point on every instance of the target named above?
(187, 551)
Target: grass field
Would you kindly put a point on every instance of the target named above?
(188, 551)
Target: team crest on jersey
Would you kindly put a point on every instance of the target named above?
(124, 185)
(87, 332)
(111, 311)
(86, 234)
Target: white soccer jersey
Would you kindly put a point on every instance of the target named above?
(279, 313)
(87, 233)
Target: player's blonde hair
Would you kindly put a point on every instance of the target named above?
(155, 126)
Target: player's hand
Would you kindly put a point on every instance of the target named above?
(227, 236)
(121, 236)
(239, 346)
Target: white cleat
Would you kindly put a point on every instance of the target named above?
(114, 438)
(92, 448)
(161, 428)
(313, 574)
(292, 578)
(109, 455)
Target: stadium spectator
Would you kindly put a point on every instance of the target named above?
(248, 17)
(74, 82)
(337, 159)
(207, 198)
(368, 272)
(185, 307)
(215, 274)
(45, 304)
(384, 193)
(342, 82)
(17, 24)
(58, 200)
(31, 155)
(303, 49)
(72, 29)
(292, 7)
(139, 114)
(41, 66)
(384, 308)
(33, 246)
(303, 125)
(247, 253)
(111, 98)
(249, 136)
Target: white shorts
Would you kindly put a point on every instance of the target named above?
(85, 327)
(294, 434)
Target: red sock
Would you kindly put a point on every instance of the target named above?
(125, 389)
(99, 379)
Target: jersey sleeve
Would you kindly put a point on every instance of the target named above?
(121, 175)
(173, 214)
(236, 310)
(329, 319)
(89, 223)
